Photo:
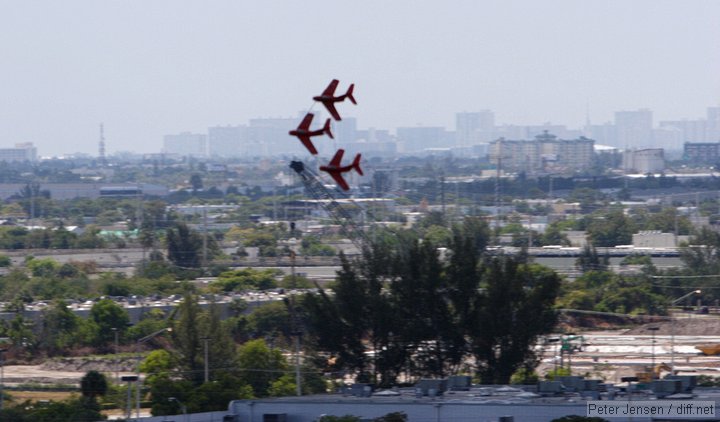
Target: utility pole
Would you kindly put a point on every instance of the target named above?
(207, 371)
(442, 194)
(205, 234)
(140, 211)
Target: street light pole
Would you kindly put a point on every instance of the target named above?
(117, 360)
(672, 329)
(137, 366)
(129, 379)
(652, 330)
(2, 377)
(183, 408)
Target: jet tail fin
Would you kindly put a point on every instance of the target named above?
(356, 164)
(326, 129)
(349, 94)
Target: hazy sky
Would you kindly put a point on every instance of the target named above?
(152, 67)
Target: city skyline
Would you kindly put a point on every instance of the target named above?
(148, 70)
(469, 129)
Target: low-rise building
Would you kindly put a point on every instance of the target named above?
(701, 152)
(644, 161)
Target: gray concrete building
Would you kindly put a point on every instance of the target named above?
(22, 152)
(185, 144)
(544, 154)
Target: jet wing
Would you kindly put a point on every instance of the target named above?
(305, 124)
(339, 180)
(330, 90)
(337, 159)
(308, 143)
(330, 106)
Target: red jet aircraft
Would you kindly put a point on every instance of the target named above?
(335, 170)
(304, 133)
(328, 99)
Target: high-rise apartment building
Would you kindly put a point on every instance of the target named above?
(690, 130)
(415, 139)
(472, 128)
(22, 152)
(185, 144)
(634, 128)
(604, 133)
(269, 136)
(713, 124)
(227, 141)
(545, 153)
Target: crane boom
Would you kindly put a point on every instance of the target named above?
(330, 204)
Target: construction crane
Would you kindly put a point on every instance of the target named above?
(330, 204)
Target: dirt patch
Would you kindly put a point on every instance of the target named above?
(683, 326)
(33, 396)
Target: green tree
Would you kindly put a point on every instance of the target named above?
(554, 236)
(21, 333)
(392, 417)
(589, 260)
(184, 246)
(186, 336)
(312, 246)
(260, 366)
(5, 261)
(217, 336)
(59, 328)
(196, 182)
(422, 309)
(215, 395)
(159, 365)
(340, 322)
(514, 310)
(270, 320)
(283, 386)
(93, 384)
(45, 267)
(90, 239)
(611, 229)
(246, 279)
(69, 410)
(106, 316)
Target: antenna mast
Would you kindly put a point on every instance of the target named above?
(101, 147)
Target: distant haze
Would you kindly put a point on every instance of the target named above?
(149, 68)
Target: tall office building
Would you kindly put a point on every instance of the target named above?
(690, 130)
(416, 139)
(634, 128)
(474, 127)
(185, 144)
(604, 133)
(713, 124)
(269, 136)
(227, 141)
